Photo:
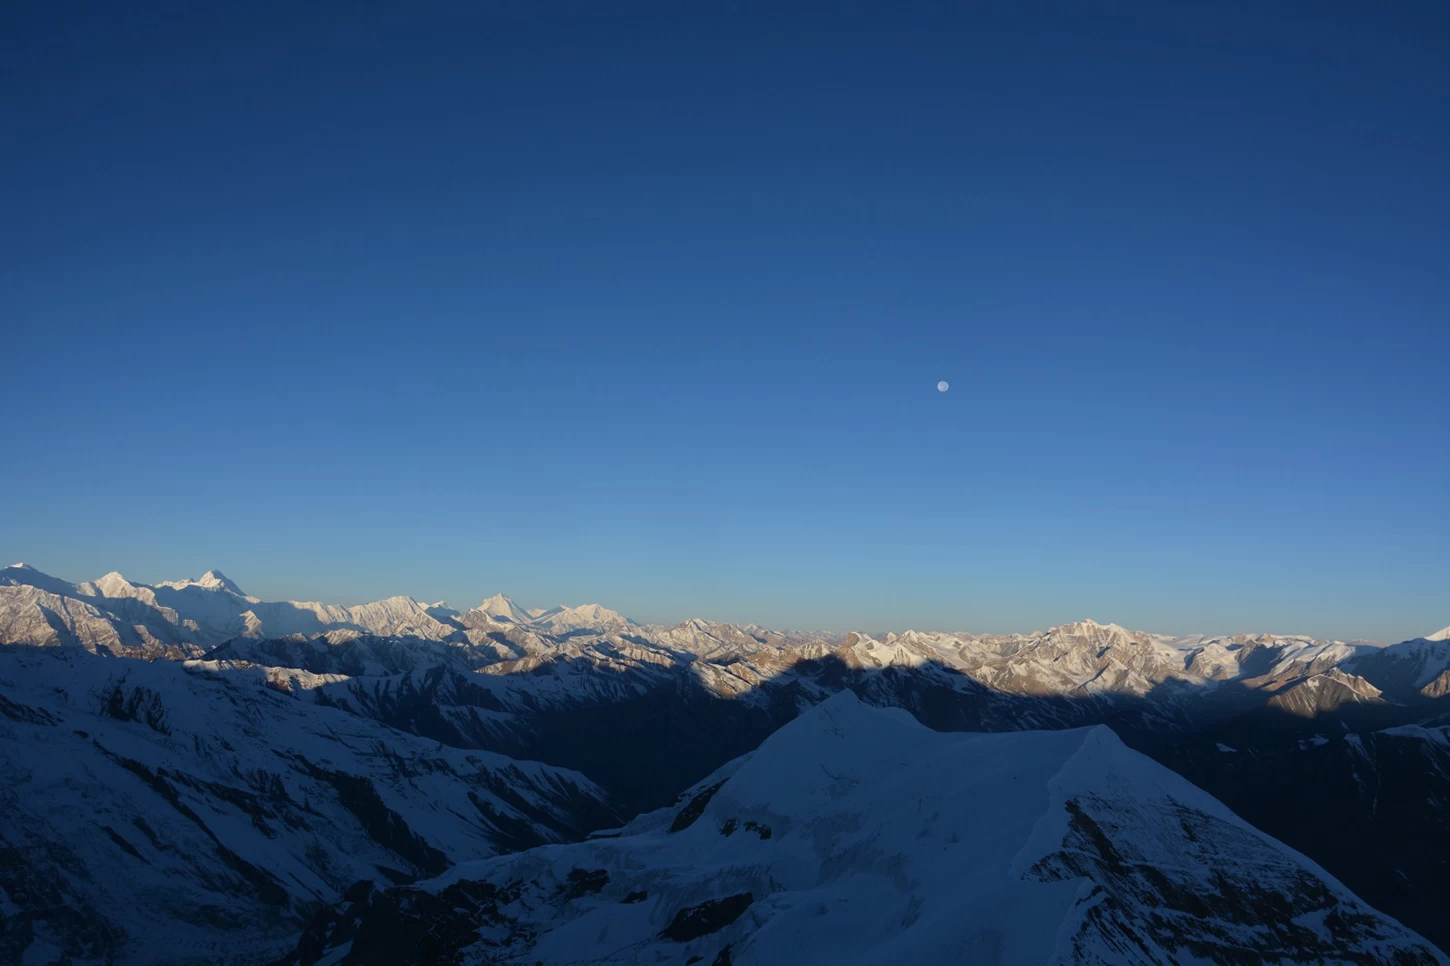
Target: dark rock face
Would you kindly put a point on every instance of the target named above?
(137, 704)
(584, 882)
(405, 926)
(1371, 807)
(694, 808)
(383, 825)
(44, 906)
(731, 825)
(707, 917)
(1248, 912)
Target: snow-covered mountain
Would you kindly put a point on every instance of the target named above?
(853, 835)
(541, 684)
(168, 812)
(183, 618)
(646, 710)
(585, 617)
(1083, 660)
(1410, 671)
(1070, 675)
(500, 607)
(186, 617)
(1372, 805)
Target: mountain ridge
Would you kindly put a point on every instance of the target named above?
(115, 586)
(644, 710)
(854, 835)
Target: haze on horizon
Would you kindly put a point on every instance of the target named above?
(648, 306)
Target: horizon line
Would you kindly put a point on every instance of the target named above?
(534, 613)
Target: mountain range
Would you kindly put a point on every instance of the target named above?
(190, 618)
(300, 764)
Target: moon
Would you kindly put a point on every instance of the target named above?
(943, 386)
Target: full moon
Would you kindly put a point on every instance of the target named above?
(943, 386)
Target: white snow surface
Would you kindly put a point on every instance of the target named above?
(549, 655)
(891, 843)
(195, 812)
(183, 618)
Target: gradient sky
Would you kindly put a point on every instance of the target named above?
(647, 306)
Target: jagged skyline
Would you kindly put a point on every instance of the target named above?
(1404, 627)
(227, 610)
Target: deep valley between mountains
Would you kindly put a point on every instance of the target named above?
(192, 775)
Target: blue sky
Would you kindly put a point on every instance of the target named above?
(647, 306)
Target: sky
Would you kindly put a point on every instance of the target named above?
(647, 305)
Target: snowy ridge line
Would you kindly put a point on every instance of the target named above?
(854, 836)
(150, 813)
(210, 618)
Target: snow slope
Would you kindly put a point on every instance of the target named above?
(854, 835)
(1411, 670)
(1084, 660)
(182, 618)
(167, 812)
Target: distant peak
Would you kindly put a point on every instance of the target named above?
(1090, 624)
(216, 580)
(211, 580)
(1089, 628)
(501, 605)
(20, 566)
(400, 599)
(115, 580)
(589, 611)
(1443, 634)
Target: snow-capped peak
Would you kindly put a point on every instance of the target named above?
(114, 584)
(503, 608)
(216, 580)
(1443, 634)
(211, 580)
(854, 834)
(20, 566)
(1091, 627)
(593, 612)
(580, 617)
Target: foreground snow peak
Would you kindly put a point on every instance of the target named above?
(854, 835)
